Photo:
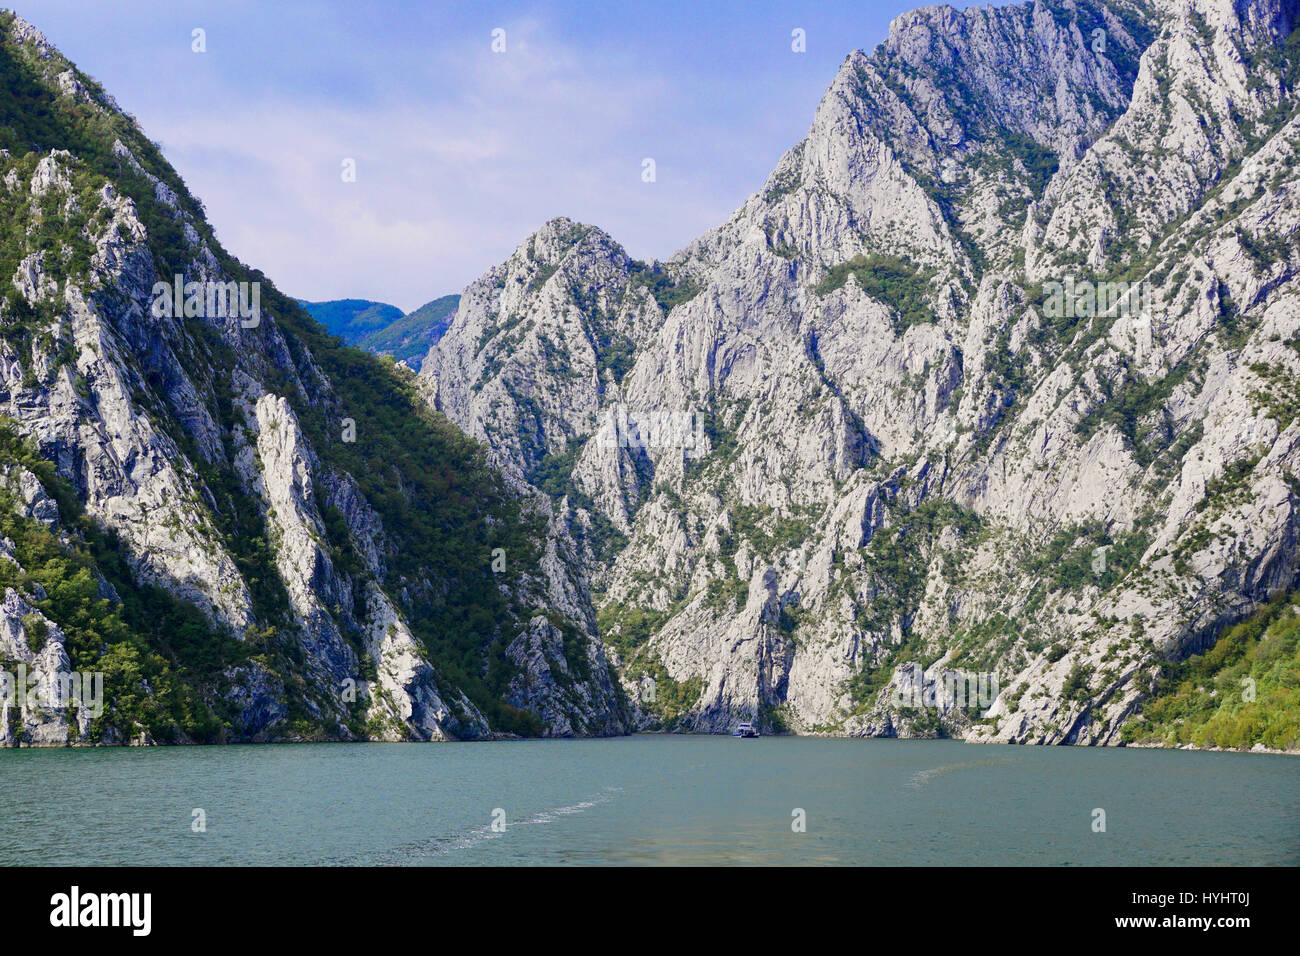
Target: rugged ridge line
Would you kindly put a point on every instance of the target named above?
(910, 461)
(252, 532)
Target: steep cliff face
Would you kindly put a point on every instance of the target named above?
(878, 425)
(253, 532)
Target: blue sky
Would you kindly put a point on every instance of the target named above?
(460, 152)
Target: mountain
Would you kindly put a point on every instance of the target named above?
(990, 388)
(993, 382)
(251, 531)
(352, 319)
(383, 329)
(409, 338)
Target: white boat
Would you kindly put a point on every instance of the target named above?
(746, 729)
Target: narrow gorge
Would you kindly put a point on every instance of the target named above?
(992, 384)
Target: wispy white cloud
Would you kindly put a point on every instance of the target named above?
(443, 189)
(460, 152)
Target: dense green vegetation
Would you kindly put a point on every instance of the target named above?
(896, 282)
(768, 532)
(383, 329)
(897, 557)
(1279, 394)
(1087, 555)
(352, 319)
(1008, 376)
(865, 685)
(1244, 690)
(727, 594)
(1040, 164)
(667, 291)
(148, 635)
(628, 628)
(615, 352)
(409, 338)
(672, 699)
(554, 472)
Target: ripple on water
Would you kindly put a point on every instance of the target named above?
(409, 853)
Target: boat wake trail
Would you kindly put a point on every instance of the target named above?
(922, 777)
(409, 853)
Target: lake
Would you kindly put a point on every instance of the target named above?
(648, 799)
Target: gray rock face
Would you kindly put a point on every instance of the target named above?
(554, 683)
(859, 425)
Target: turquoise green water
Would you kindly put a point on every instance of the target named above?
(648, 800)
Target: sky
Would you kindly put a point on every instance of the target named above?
(460, 152)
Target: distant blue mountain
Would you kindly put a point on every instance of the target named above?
(410, 337)
(352, 319)
(382, 328)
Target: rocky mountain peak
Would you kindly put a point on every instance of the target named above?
(909, 448)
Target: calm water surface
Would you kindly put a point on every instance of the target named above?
(648, 800)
